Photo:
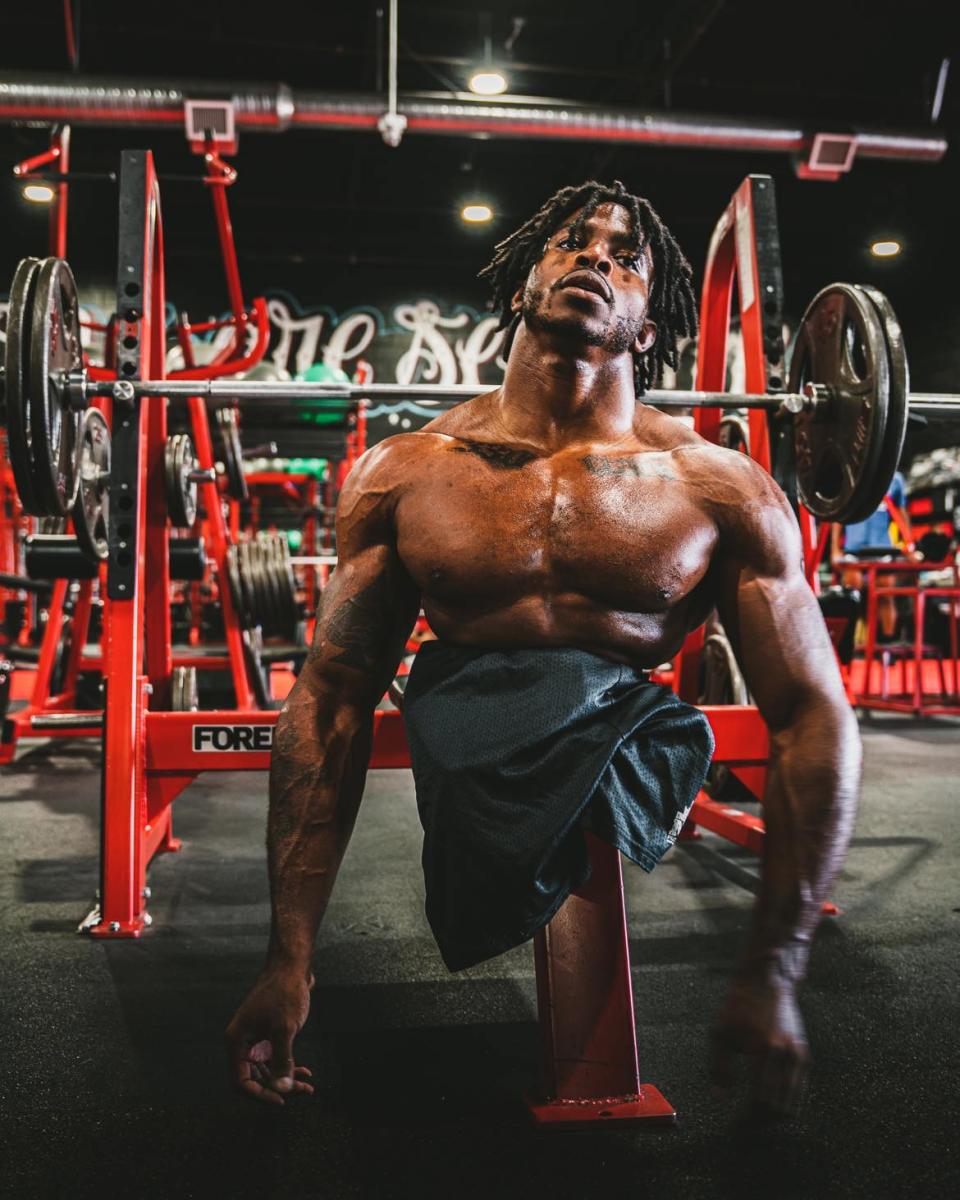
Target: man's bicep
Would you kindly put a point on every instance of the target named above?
(772, 616)
(364, 617)
(781, 642)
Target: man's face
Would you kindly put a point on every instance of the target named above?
(592, 286)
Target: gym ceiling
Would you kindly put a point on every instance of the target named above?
(339, 217)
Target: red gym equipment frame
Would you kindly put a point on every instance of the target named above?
(56, 715)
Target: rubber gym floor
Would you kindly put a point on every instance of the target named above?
(113, 1079)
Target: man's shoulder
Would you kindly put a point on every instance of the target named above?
(722, 470)
(396, 453)
(664, 433)
(751, 512)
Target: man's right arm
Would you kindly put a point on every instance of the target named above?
(319, 762)
(322, 741)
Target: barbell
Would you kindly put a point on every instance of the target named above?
(847, 403)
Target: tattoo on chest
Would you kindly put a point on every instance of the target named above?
(497, 454)
(623, 467)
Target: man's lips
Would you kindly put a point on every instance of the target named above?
(587, 281)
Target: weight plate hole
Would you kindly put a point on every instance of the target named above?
(128, 368)
(856, 351)
(131, 289)
(124, 558)
(829, 483)
(125, 503)
(130, 342)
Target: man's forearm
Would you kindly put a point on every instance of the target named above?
(809, 808)
(317, 772)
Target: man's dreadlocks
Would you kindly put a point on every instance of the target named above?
(672, 304)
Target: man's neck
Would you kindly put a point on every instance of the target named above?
(554, 395)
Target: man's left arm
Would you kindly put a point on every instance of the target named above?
(781, 642)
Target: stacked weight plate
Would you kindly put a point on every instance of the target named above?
(263, 587)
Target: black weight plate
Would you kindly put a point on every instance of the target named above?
(248, 577)
(178, 462)
(91, 509)
(271, 566)
(841, 345)
(264, 593)
(236, 588)
(171, 484)
(16, 382)
(288, 591)
(55, 350)
(228, 425)
(896, 430)
(184, 696)
(735, 433)
(186, 465)
(250, 599)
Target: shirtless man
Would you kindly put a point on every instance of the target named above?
(557, 511)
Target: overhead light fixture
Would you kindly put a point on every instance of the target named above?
(38, 193)
(476, 214)
(488, 81)
(885, 249)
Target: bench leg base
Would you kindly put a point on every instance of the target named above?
(649, 1106)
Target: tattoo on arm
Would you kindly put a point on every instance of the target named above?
(360, 626)
(497, 454)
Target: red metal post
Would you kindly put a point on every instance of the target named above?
(140, 301)
(585, 999)
(58, 208)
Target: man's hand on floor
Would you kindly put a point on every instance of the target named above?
(760, 1021)
(260, 1037)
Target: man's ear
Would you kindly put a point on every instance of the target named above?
(646, 338)
(516, 301)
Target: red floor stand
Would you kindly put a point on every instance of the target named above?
(589, 1065)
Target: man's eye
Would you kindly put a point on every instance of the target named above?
(630, 260)
(570, 242)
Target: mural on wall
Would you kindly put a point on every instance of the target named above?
(413, 341)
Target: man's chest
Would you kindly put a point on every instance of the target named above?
(489, 521)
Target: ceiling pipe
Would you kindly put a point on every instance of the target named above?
(276, 107)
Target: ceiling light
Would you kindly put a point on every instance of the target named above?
(488, 81)
(477, 213)
(885, 249)
(39, 193)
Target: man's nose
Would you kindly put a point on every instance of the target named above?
(595, 256)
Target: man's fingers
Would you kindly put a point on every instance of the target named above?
(264, 1095)
(303, 1071)
(300, 1086)
(281, 1064)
